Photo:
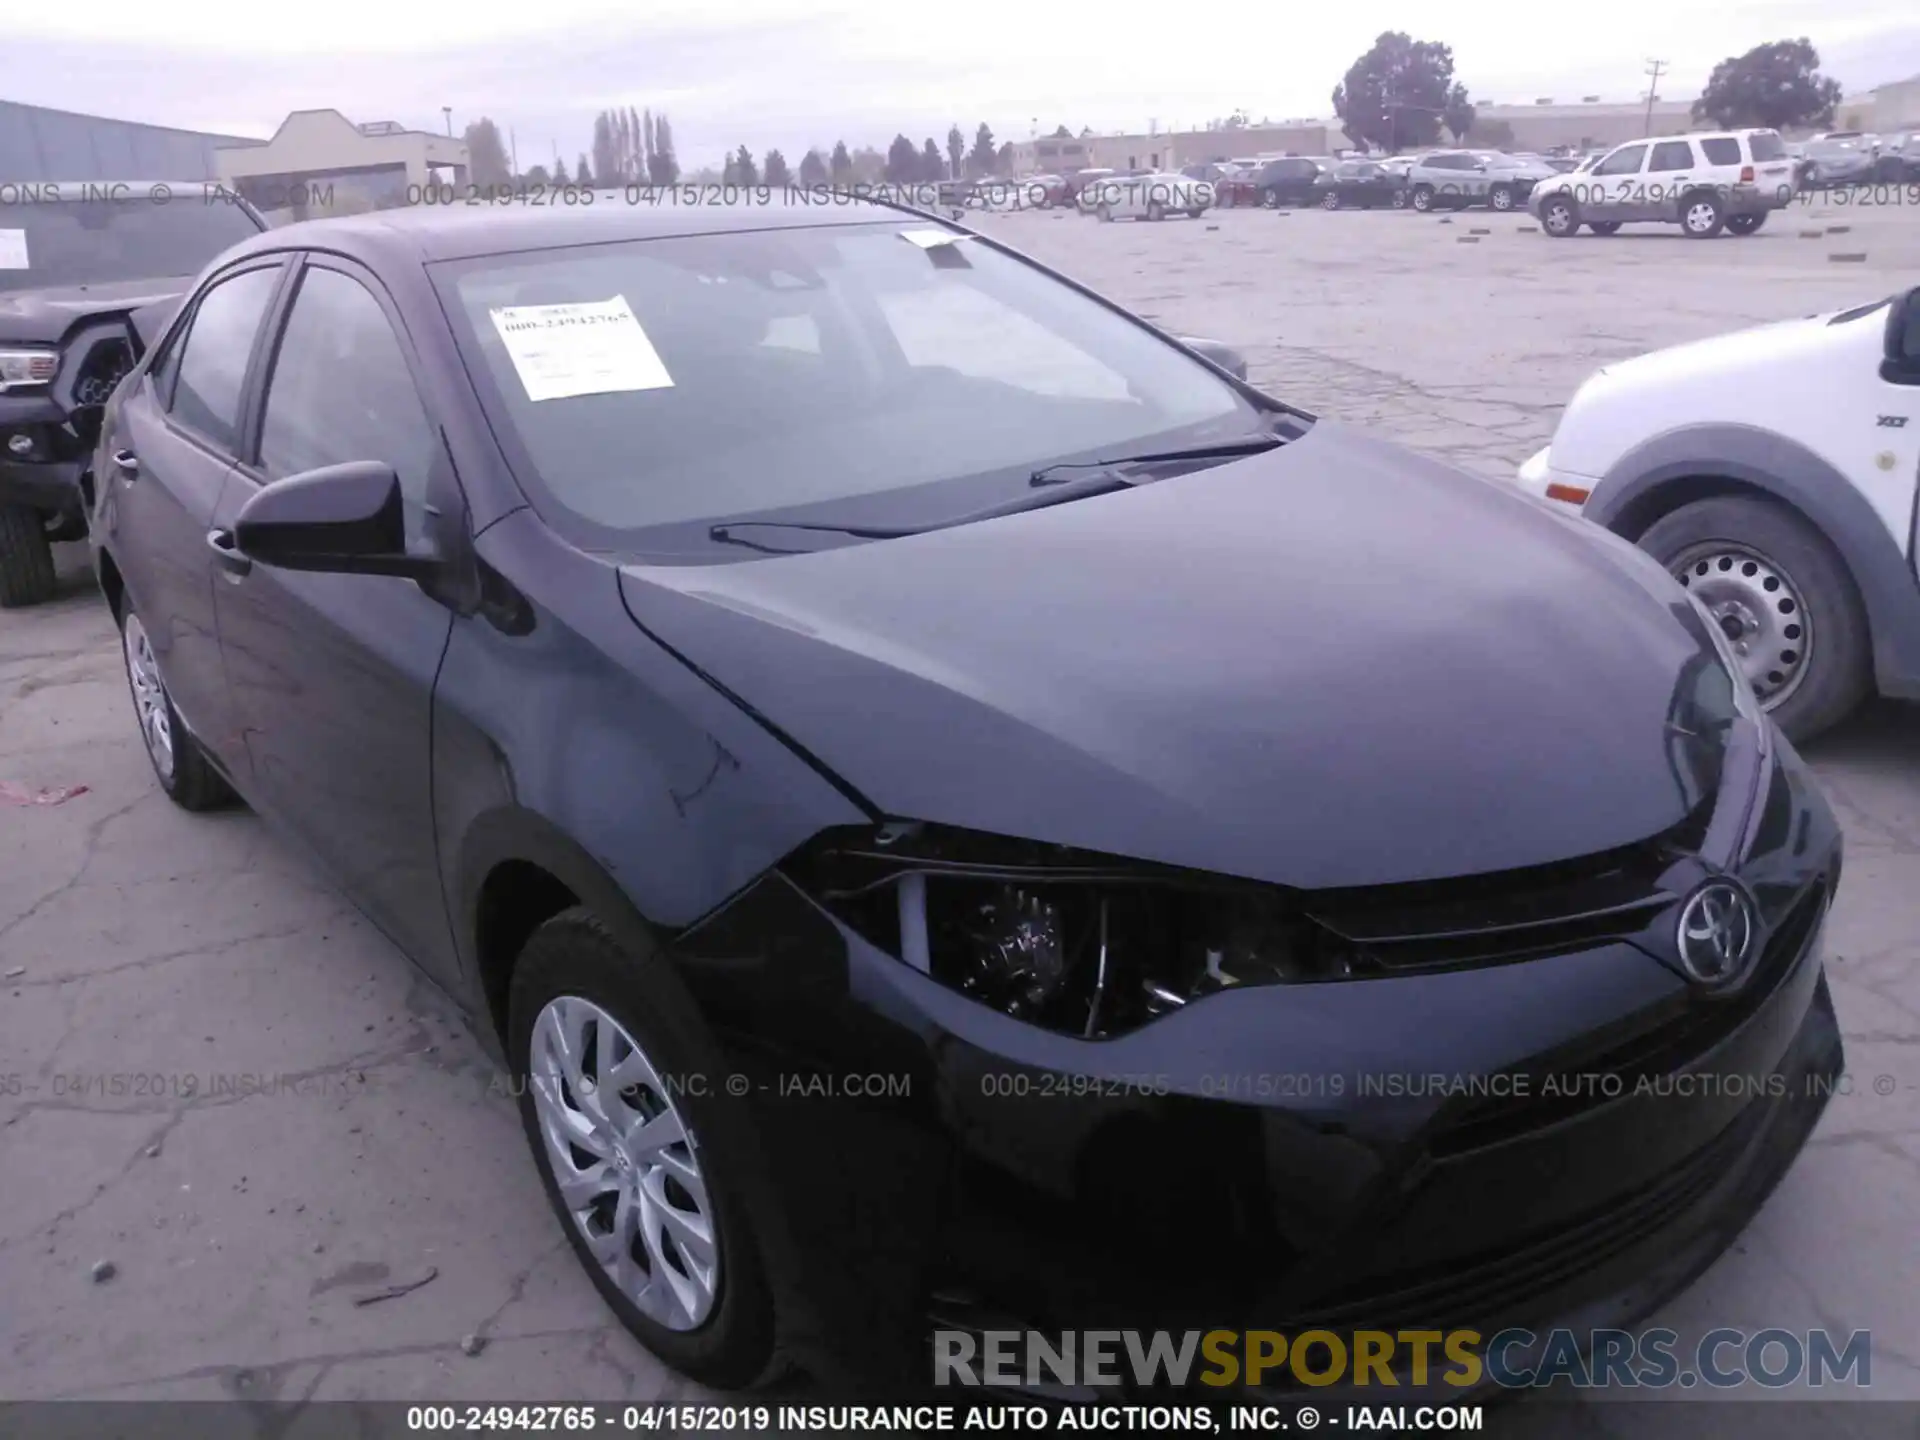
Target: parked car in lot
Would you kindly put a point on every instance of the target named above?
(1840, 158)
(1898, 162)
(1774, 473)
(1152, 196)
(1078, 182)
(1237, 188)
(1362, 185)
(1289, 180)
(76, 260)
(1703, 183)
(1456, 179)
(1043, 192)
(871, 815)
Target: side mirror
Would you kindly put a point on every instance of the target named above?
(345, 519)
(1225, 356)
(1902, 363)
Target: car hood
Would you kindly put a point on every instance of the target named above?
(45, 316)
(1333, 664)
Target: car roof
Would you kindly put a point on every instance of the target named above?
(429, 233)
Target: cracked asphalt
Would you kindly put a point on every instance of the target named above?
(217, 1077)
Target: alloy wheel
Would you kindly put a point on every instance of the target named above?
(1558, 218)
(149, 696)
(1758, 608)
(625, 1161)
(1331, 200)
(1501, 200)
(1701, 217)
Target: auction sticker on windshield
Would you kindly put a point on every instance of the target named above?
(594, 347)
(13, 250)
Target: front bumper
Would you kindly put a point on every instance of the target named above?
(1247, 1162)
(52, 486)
(1540, 478)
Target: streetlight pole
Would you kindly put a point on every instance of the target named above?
(447, 110)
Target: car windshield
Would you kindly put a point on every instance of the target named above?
(46, 242)
(876, 374)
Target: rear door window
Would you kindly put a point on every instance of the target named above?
(212, 363)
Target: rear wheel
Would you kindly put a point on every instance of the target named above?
(1330, 200)
(26, 558)
(1105, 212)
(1399, 201)
(179, 764)
(1270, 199)
(1701, 216)
(1196, 212)
(1423, 198)
(1782, 595)
(1156, 211)
(1746, 224)
(642, 1172)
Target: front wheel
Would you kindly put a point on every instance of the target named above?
(1156, 211)
(641, 1166)
(1330, 200)
(1783, 596)
(1270, 199)
(1560, 217)
(26, 558)
(1423, 198)
(1746, 224)
(1105, 212)
(1399, 201)
(1500, 198)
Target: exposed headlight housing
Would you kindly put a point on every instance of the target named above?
(1745, 699)
(1076, 942)
(21, 367)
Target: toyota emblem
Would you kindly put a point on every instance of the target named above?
(1715, 934)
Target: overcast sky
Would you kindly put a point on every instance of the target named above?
(794, 73)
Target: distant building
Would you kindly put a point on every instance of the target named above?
(1171, 149)
(1892, 109)
(319, 161)
(37, 143)
(1591, 124)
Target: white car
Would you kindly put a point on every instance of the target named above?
(1776, 474)
(1705, 183)
(1149, 197)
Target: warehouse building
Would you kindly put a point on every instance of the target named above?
(39, 144)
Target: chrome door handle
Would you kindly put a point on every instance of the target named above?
(232, 563)
(126, 462)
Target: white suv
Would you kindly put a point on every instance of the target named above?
(1776, 474)
(1715, 180)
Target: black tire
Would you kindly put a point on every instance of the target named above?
(26, 558)
(1702, 216)
(735, 1347)
(1500, 198)
(1838, 672)
(1399, 201)
(1196, 212)
(1156, 211)
(1746, 224)
(1604, 227)
(1560, 217)
(1270, 198)
(188, 778)
(1423, 198)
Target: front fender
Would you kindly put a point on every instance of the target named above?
(1635, 492)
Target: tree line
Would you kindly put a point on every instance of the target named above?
(1401, 94)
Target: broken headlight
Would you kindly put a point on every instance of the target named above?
(1073, 941)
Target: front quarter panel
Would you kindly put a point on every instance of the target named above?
(576, 743)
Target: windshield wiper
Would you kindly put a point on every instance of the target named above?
(1080, 490)
(1225, 450)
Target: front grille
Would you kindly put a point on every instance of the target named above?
(1661, 1041)
(1491, 1284)
(1512, 915)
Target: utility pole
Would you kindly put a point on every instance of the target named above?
(1655, 69)
(447, 110)
(513, 151)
